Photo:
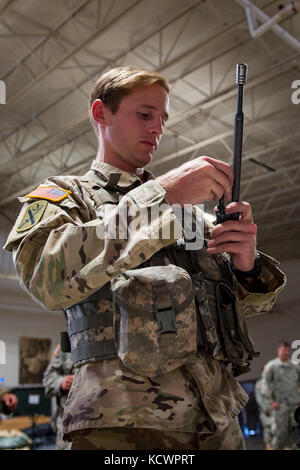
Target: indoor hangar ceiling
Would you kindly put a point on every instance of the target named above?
(52, 52)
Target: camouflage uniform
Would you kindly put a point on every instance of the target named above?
(264, 407)
(60, 366)
(282, 385)
(61, 260)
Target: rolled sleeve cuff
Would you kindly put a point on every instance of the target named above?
(269, 284)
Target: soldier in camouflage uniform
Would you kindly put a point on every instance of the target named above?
(58, 379)
(70, 254)
(8, 401)
(265, 412)
(282, 379)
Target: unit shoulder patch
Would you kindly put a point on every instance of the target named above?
(32, 215)
(52, 193)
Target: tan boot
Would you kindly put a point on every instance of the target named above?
(268, 446)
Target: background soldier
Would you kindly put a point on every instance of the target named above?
(282, 379)
(265, 412)
(58, 379)
(64, 259)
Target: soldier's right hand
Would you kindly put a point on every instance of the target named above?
(198, 180)
(67, 382)
(275, 405)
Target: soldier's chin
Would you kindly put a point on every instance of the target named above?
(147, 158)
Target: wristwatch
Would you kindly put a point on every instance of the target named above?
(253, 273)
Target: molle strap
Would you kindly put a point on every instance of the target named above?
(104, 349)
(83, 318)
(103, 319)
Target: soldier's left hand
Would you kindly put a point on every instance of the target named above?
(236, 237)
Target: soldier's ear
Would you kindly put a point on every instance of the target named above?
(99, 112)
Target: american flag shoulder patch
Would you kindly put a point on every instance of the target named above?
(51, 193)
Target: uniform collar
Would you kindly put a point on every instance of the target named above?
(284, 363)
(116, 178)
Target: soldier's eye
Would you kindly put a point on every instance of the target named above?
(144, 116)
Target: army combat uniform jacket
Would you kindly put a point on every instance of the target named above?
(283, 386)
(62, 258)
(283, 382)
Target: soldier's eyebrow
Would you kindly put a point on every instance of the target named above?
(164, 113)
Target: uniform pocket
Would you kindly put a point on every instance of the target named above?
(154, 319)
(221, 329)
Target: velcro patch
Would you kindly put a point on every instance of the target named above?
(52, 193)
(32, 215)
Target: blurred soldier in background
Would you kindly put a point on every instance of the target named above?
(265, 412)
(282, 379)
(8, 402)
(58, 379)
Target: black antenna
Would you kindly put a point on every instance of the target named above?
(241, 80)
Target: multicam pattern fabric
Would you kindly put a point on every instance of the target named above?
(150, 439)
(62, 261)
(200, 398)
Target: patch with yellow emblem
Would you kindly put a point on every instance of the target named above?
(32, 215)
(52, 193)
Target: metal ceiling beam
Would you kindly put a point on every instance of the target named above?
(6, 7)
(211, 140)
(40, 43)
(27, 88)
(15, 99)
(227, 29)
(275, 210)
(292, 168)
(269, 74)
(102, 68)
(206, 104)
(270, 23)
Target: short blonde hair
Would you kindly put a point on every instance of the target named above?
(119, 82)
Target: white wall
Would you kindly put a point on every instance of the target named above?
(21, 316)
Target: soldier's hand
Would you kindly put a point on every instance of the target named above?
(275, 405)
(236, 237)
(10, 400)
(67, 382)
(198, 180)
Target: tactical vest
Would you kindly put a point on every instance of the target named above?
(221, 329)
